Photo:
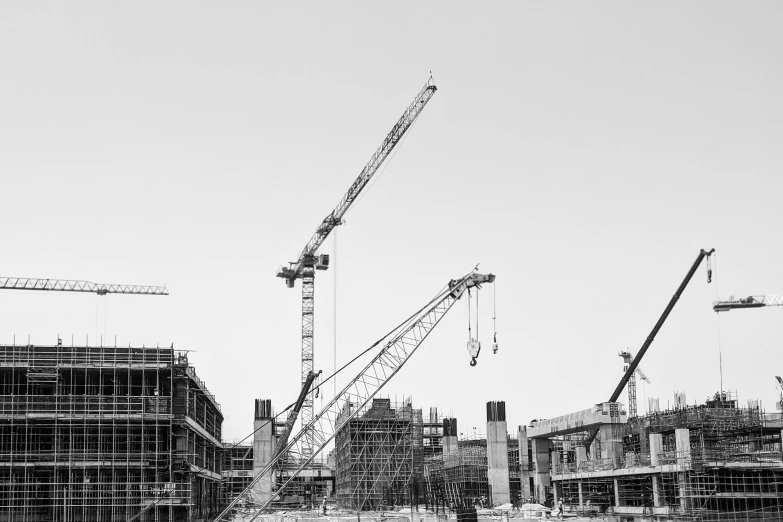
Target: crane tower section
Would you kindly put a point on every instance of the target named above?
(309, 260)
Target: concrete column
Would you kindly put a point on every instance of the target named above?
(497, 453)
(682, 440)
(611, 444)
(594, 450)
(683, 487)
(449, 439)
(581, 457)
(616, 493)
(541, 478)
(581, 497)
(656, 448)
(656, 494)
(557, 462)
(524, 462)
(263, 448)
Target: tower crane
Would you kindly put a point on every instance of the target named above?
(400, 345)
(628, 359)
(309, 261)
(72, 285)
(752, 301)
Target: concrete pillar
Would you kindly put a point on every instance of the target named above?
(595, 450)
(616, 493)
(581, 457)
(524, 462)
(656, 448)
(449, 439)
(581, 496)
(682, 440)
(557, 463)
(541, 478)
(497, 453)
(263, 448)
(611, 445)
(656, 493)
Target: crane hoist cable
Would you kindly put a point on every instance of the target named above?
(494, 322)
(717, 319)
(474, 345)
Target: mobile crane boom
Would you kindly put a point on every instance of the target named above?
(72, 285)
(400, 346)
(650, 338)
(633, 364)
(308, 261)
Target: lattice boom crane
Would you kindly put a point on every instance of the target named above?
(400, 346)
(72, 285)
(308, 261)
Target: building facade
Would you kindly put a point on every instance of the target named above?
(106, 434)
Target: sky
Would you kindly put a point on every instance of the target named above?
(583, 152)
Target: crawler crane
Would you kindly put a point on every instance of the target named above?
(400, 345)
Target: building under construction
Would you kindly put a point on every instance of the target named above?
(481, 471)
(378, 456)
(106, 434)
(714, 461)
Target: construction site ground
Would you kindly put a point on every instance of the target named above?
(483, 515)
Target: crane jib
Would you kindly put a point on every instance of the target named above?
(294, 271)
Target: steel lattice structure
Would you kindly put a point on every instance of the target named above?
(72, 285)
(402, 343)
(308, 260)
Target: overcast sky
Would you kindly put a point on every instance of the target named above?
(583, 152)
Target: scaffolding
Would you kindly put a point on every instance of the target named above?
(727, 466)
(379, 457)
(105, 434)
(465, 474)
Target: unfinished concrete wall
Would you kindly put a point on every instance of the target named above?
(497, 453)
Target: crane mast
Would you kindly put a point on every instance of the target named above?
(72, 285)
(309, 261)
(400, 346)
(628, 359)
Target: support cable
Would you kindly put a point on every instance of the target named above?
(717, 327)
